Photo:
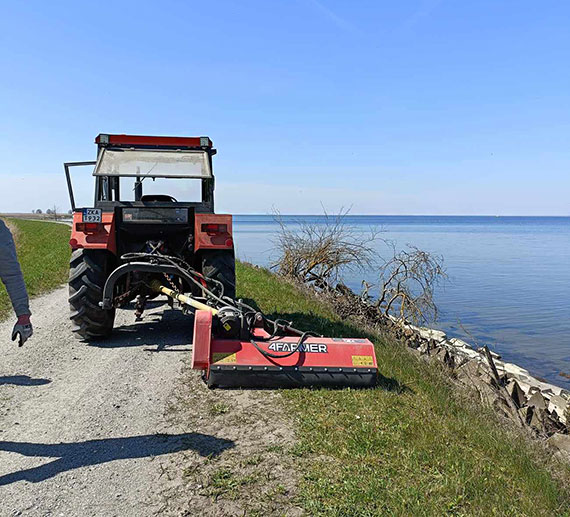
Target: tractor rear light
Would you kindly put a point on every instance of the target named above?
(214, 229)
(88, 227)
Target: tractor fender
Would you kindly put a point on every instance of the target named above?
(102, 237)
(213, 232)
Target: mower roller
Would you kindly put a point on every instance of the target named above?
(134, 247)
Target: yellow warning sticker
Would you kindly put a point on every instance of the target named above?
(362, 360)
(225, 358)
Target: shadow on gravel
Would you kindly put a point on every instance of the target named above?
(161, 331)
(94, 452)
(22, 380)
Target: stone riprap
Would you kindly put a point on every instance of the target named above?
(535, 405)
(543, 406)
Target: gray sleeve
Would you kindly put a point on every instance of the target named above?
(11, 274)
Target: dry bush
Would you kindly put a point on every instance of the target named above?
(319, 253)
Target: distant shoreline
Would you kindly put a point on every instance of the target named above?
(348, 217)
(414, 215)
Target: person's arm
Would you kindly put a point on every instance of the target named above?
(12, 277)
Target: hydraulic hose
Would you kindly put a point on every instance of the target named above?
(266, 353)
(175, 261)
(278, 324)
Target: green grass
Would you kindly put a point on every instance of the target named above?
(227, 483)
(43, 251)
(219, 408)
(410, 447)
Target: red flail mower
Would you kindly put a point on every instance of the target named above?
(284, 358)
(135, 246)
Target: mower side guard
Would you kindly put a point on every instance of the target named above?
(202, 340)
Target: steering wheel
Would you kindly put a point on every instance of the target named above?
(158, 197)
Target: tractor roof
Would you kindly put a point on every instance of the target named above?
(179, 142)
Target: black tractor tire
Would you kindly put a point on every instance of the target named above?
(88, 271)
(221, 265)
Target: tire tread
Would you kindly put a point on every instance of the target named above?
(87, 276)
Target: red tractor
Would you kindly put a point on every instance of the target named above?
(138, 242)
(137, 232)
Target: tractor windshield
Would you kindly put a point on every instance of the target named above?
(151, 163)
(122, 172)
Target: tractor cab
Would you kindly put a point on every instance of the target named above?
(154, 198)
(146, 169)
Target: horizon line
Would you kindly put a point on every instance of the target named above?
(3, 214)
(406, 215)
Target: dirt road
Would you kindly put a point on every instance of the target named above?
(123, 428)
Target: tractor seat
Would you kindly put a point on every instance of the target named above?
(158, 198)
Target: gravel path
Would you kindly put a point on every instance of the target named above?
(82, 428)
(124, 428)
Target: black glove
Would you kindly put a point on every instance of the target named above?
(22, 332)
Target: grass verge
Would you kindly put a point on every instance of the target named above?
(413, 446)
(43, 251)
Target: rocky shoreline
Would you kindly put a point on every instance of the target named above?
(540, 408)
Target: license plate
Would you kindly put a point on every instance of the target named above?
(91, 215)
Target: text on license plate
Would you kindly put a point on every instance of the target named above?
(92, 215)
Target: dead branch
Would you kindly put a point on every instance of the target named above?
(407, 284)
(320, 253)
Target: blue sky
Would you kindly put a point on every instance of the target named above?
(412, 107)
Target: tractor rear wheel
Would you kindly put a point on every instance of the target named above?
(88, 271)
(221, 265)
